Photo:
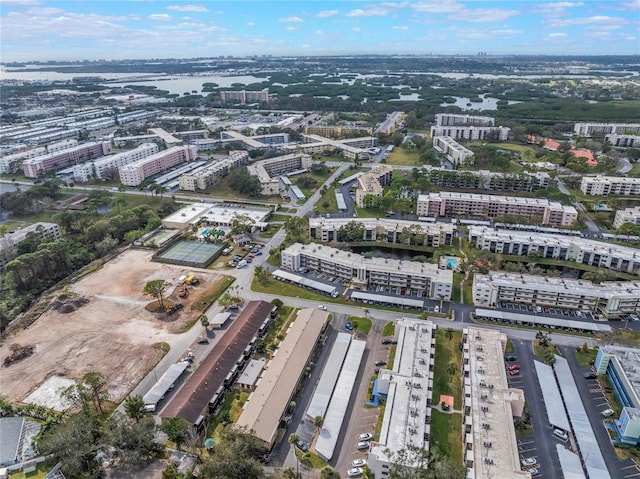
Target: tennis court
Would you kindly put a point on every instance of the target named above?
(190, 253)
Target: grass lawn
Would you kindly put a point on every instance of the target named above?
(213, 294)
(362, 324)
(635, 170)
(327, 203)
(278, 217)
(270, 231)
(446, 434)
(310, 459)
(586, 359)
(41, 471)
(456, 294)
(467, 290)
(509, 349)
(400, 156)
(389, 329)
(447, 352)
(281, 288)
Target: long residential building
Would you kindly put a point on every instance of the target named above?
(567, 248)
(351, 148)
(500, 133)
(10, 242)
(245, 96)
(257, 142)
(610, 185)
(34, 167)
(268, 170)
(628, 215)
(490, 407)
(456, 153)
(95, 169)
(266, 407)
(385, 230)
(393, 121)
(588, 129)
(362, 272)
(456, 119)
(338, 131)
(623, 141)
(489, 180)
(609, 300)
(12, 163)
(407, 388)
(135, 173)
(372, 183)
(492, 206)
(208, 175)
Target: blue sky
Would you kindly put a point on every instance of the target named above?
(76, 29)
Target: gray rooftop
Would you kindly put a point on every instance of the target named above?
(10, 432)
(552, 398)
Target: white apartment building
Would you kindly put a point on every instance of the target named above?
(492, 206)
(471, 132)
(11, 163)
(628, 215)
(408, 390)
(350, 148)
(362, 272)
(567, 248)
(456, 153)
(208, 175)
(386, 230)
(624, 141)
(94, 169)
(611, 299)
(34, 167)
(393, 121)
(268, 170)
(9, 242)
(372, 183)
(588, 129)
(610, 185)
(135, 173)
(488, 180)
(490, 407)
(455, 119)
(244, 96)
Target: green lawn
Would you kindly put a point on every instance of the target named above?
(447, 352)
(389, 329)
(586, 358)
(363, 324)
(400, 156)
(327, 203)
(446, 434)
(270, 231)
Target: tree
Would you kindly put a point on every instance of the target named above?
(234, 457)
(176, 430)
(131, 443)
(97, 388)
(134, 407)
(449, 333)
(328, 473)
(318, 421)
(240, 181)
(155, 288)
(452, 368)
(417, 463)
(295, 226)
(204, 321)
(543, 339)
(293, 440)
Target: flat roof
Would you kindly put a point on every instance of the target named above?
(192, 213)
(10, 432)
(569, 463)
(485, 197)
(380, 298)
(552, 398)
(216, 319)
(304, 281)
(297, 192)
(251, 373)
(628, 359)
(266, 405)
(191, 400)
(342, 206)
(389, 224)
(534, 320)
(166, 381)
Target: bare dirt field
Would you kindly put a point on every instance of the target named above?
(111, 333)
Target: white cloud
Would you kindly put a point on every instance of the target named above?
(161, 17)
(319, 32)
(557, 35)
(594, 20)
(293, 27)
(369, 12)
(188, 8)
(633, 5)
(630, 38)
(507, 32)
(400, 27)
(556, 5)
(20, 2)
(44, 11)
(290, 20)
(484, 15)
(305, 45)
(445, 6)
(356, 29)
(251, 24)
(327, 13)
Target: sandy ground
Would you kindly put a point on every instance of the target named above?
(112, 334)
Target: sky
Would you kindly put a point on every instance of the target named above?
(136, 29)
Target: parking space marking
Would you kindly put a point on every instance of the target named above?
(599, 390)
(637, 474)
(629, 467)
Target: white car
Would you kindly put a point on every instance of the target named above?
(363, 445)
(322, 307)
(529, 462)
(534, 472)
(365, 437)
(560, 434)
(608, 412)
(355, 472)
(359, 463)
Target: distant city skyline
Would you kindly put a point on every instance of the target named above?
(89, 30)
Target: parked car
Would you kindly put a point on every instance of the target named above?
(515, 372)
(560, 434)
(510, 357)
(355, 472)
(302, 446)
(363, 445)
(514, 367)
(348, 326)
(365, 437)
(359, 463)
(322, 307)
(590, 375)
(608, 412)
(380, 362)
(203, 341)
(529, 462)
(534, 472)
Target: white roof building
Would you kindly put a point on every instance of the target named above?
(212, 215)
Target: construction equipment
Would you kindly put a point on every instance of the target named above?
(192, 280)
(184, 292)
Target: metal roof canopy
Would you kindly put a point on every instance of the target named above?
(342, 206)
(542, 321)
(160, 388)
(414, 303)
(552, 398)
(301, 280)
(569, 463)
(586, 440)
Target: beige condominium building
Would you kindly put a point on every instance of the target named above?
(456, 153)
(492, 206)
(610, 185)
(372, 183)
(490, 407)
(628, 215)
(588, 129)
(362, 272)
(135, 173)
(455, 119)
(609, 300)
(268, 171)
(623, 141)
(94, 169)
(244, 96)
(34, 167)
(393, 121)
(500, 133)
(207, 176)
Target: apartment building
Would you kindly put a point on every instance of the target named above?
(491, 206)
(500, 133)
(95, 169)
(407, 390)
(208, 175)
(567, 248)
(610, 300)
(351, 148)
(588, 129)
(34, 167)
(456, 153)
(489, 180)
(610, 185)
(385, 230)
(628, 215)
(255, 142)
(11, 163)
(362, 272)
(372, 183)
(337, 132)
(9, 242)
(454, 119)
(244, 96)
(268, 170)
(135, 173)
(490, 407)
(393, 121)
(623, 141)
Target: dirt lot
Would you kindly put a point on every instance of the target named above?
(112, 333)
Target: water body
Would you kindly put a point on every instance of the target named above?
(465, 104)
(388, 252)
(180, 85)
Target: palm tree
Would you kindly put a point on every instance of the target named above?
(134, 407)
(449, 332)
(318, 421)
(452, 368)
(293, 440)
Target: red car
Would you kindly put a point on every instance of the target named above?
(514, 367)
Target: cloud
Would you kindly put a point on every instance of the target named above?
(445, 6)
(188, 8)
(370, 12)
(400, 27)
(20, 2)
(634, 5)
(556, 5)
(293, 27)
(327, 13)
(483, 15)
(630, 38)
(356, 29)
(290, 20)
(507, 32)
(161, 17)
(557, 35)
(251, 24)
(594, 20)
(44, 11)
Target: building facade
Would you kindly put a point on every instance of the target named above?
(268, 170)
(456, 153)
(338, 131)
(489, 180)
(372, 183)
(628, 215)
(393, 121)
(454, 119)
(95, 169)
(244, 96)
(135, 173)
(9, 242)
(208, 175)
(492, 206)
(362, 272)
(588, 129)
(609, 300)
(623, 141)
(610, 185)
(34, 167)
(499, 133)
